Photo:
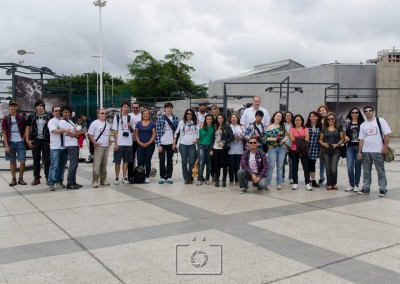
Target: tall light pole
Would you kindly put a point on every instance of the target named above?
(101, 4)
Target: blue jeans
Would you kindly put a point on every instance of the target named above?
(377, 159)
(321, 168)
(353, 165)
(144, 156)
(234, 166)
(331, 160)
(204, 160)
(276, 156)
(58, 160)
(188, 155)
(73, 154)
(244, 179)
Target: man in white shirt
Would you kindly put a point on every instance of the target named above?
(122, 126)
(99, 135)
(201, 114)
(372, 147)
(136, 116)
(249, 114)
(58, 153)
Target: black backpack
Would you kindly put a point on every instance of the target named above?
(139, 175)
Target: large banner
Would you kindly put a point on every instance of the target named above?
(27, 92)
(344, 108)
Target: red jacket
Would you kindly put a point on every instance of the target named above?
(6, 125)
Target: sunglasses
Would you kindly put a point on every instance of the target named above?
(368, 110)
(57, 110)
(355, 112)
(253, 142)
(135, 107)
(331, 119)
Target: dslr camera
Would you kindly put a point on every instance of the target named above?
(125, 134)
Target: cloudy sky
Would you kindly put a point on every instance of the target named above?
(227, 37)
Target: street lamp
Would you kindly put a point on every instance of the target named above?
(101, 4)
(23, 52)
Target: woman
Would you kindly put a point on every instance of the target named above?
(222, 136)
(145, 135)
(323, 111)
(189, 135)
(236, 145)
(299, 134)
(275, 138)
(331, 137)
(314, 129)
(355, 119)
(206, 134)
(288, 125)
(214, 110)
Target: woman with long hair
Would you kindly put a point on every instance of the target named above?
(145, 135)
(288, 125)
(314, 129)
(331, 137)
(323, 111)
(206, 134)
(298, 134)
(214, 111)
(276, 136)
(188, 137)
(222, 137)
(236, 148)
(354, 118)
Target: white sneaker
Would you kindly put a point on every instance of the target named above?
(147, 180)
(116, 181)
(349, 189)
(356, 189)
(95, 185)
(308, 187)
(294, 186)
(125, 181)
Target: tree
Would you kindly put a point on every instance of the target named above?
(169, 78)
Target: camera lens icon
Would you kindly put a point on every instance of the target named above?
(198, 258)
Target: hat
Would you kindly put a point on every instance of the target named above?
(12, 103)
(260, 113)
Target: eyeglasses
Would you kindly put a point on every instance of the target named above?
(330, 119)
(368, 110)
(135, 107)
(253, 142)
(57, 110)
(355, 112)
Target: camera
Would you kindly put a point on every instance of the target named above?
(278, 140)
(125, 134)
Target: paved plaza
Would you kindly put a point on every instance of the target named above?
(151, 233)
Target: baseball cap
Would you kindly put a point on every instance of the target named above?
(12, 103)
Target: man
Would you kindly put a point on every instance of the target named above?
(99, 135)
(256, 129)
(38, 139)
(201, 114)
(13, 127)
(122, 127)
(165, 127)
(371, 149)
(248, 116)
(58, 153)
(136, 116)
(253, 166)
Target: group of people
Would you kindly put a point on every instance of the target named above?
(245, 148)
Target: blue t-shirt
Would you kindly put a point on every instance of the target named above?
(145, 132)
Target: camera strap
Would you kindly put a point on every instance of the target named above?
(101, 133)
(170, 123)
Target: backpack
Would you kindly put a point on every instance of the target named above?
(139, 175)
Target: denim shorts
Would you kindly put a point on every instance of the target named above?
(17, 150)
(124, 153)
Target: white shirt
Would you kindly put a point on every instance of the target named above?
(249, 116)
(135, 118)
(168, 136)
(68, 140)
(369, 132)
(200, 118)
(253, 163)
(188, 133)
(120, 128)
(237, 143)
(55, 139)
(96, 127)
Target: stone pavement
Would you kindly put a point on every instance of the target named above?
(151, 233)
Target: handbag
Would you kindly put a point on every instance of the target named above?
(389, 156)
(195, 170)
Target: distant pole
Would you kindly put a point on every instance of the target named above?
(87, 94)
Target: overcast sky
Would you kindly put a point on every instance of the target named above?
(227, 37)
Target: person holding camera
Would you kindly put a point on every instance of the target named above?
(276, 137)
(122, 127)
(331, 137)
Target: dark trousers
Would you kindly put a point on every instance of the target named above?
(331, 160)
(304, 162)
(220, 161)
(166, 171)
(144, 156)
(131, 165)
(41, 151)
(73, 155)
(234, 166)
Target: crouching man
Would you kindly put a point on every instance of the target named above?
(253, 167)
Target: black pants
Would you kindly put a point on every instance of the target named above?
(41, 150)
(304, 162)
(166, 171)
(221, 161)
(131, 165)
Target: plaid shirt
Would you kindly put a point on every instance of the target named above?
(313, 143)
(161, 125)
(244, 163)
(6, 126)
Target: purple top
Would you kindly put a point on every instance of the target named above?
(145, 132)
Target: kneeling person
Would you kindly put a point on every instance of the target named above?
(254, 167)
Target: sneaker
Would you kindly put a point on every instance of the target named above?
(207, 182)
(382, 194)
(170, 181)
(308, 187)
(362, 192)
(95, 185)
(294, 186)
(349, 189)
(356, 189)
(116, 181)
(105, 183)
(125, 181)
(162, 181)
(72, 186)
(314, 183)
(231, 183)
(21, 181)
(36, 181)
(291, 181)
(13, 182)
(279, 187)
(267, 187)
(147, 180)
(59, 185)
(52, 187)
(321, 180)
(199, 183)
(242, 190)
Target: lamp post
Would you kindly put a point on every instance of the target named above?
(23, 52)
(101, 4)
